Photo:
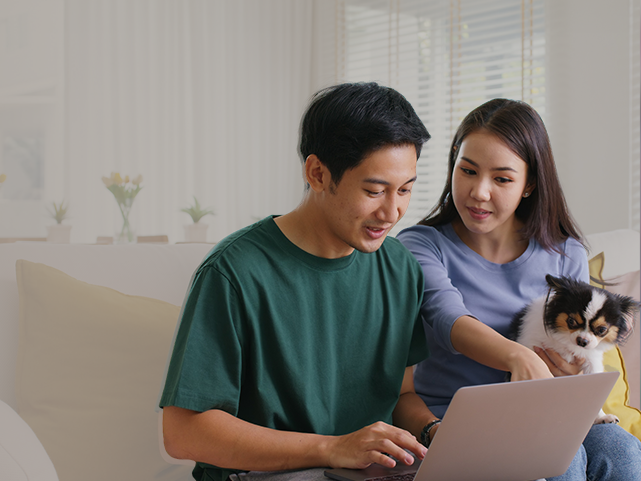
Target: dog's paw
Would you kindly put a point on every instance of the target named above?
(606, 419)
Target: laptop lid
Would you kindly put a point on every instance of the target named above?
(509, 431)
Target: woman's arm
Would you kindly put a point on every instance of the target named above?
(477, 341)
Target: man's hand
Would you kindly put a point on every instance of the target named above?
(374, 444)
(557, 365)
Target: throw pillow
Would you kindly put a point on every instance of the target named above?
(90, 364)
(618, 402)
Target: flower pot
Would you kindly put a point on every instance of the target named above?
(196, 232)
(59, 233)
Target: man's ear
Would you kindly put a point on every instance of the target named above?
(316, 173)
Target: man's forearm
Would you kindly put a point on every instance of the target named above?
(218, 438)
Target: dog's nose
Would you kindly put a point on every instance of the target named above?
(581, 342)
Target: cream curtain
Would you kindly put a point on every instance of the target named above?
(200, 97)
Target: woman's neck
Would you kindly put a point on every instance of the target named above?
(497, 247)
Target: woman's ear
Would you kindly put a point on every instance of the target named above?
(527, 192)
(316, 173)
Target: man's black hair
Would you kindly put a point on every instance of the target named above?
(345, 123)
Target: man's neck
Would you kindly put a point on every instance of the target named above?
(307, 229)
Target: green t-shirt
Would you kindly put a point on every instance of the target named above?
(287, 340)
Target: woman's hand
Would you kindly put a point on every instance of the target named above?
(557, 365)
(524, 365)
(484, 345)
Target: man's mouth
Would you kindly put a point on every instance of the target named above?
(375, 232)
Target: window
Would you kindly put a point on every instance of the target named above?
(447, 57)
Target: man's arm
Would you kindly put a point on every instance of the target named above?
(218, 438)
(411, 413)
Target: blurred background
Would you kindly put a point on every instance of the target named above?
(203, 98)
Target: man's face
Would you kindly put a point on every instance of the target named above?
(369, 200)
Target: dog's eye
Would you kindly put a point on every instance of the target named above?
(600, 331)
(572, 324)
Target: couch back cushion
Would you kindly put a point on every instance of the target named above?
(90, 366)
(157, 271)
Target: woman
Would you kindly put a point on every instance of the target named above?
(501, 225)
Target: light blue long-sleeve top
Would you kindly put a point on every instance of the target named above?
(460, 282)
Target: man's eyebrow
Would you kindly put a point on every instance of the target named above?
(373, 180)
(470, 161)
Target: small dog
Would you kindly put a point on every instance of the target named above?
(577, 320)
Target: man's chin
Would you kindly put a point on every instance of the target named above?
(371, 246)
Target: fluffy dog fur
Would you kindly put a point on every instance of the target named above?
(577, 320)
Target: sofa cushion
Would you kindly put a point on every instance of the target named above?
(157, 271)
(90, 364)
(624, 396)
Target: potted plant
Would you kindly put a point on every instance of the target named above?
(196, 232)
(58, 233)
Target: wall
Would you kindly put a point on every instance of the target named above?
(589, 109)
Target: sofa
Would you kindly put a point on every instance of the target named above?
(85, 335)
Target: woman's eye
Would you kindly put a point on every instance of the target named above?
(468, 171)
(503, 180)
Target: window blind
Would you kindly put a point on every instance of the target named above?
(447, 57)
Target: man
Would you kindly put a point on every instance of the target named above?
(299, 334)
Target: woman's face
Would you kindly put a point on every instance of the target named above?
(488, 183)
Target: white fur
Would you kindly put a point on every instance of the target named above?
(533, 333)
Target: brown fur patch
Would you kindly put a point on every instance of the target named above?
(562, 321)
(613, 331)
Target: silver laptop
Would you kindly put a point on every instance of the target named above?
(513, 431)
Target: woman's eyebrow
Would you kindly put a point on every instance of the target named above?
(470, 161)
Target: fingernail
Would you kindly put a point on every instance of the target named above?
(409, 460)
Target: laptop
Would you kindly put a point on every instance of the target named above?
(513, 431)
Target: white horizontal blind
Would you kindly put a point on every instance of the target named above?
(447, 57)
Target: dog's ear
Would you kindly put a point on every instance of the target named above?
(555, 282)
(628, 308)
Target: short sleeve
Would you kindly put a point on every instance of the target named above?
(206, 363)
(575, 261)
(442, 302)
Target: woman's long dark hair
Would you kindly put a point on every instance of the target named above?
(545, 212)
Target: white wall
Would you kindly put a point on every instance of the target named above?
(589, 108)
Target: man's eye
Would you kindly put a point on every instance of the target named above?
(372, 192)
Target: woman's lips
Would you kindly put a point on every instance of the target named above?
(478, 214)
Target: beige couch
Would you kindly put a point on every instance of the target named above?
(84, 336)
(85, 332)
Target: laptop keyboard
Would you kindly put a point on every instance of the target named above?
(394, 477)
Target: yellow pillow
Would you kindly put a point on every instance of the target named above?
(90, 364)
(619, 398)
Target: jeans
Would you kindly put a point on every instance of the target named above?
(608, 453)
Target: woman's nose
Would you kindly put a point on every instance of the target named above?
(481, 191)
